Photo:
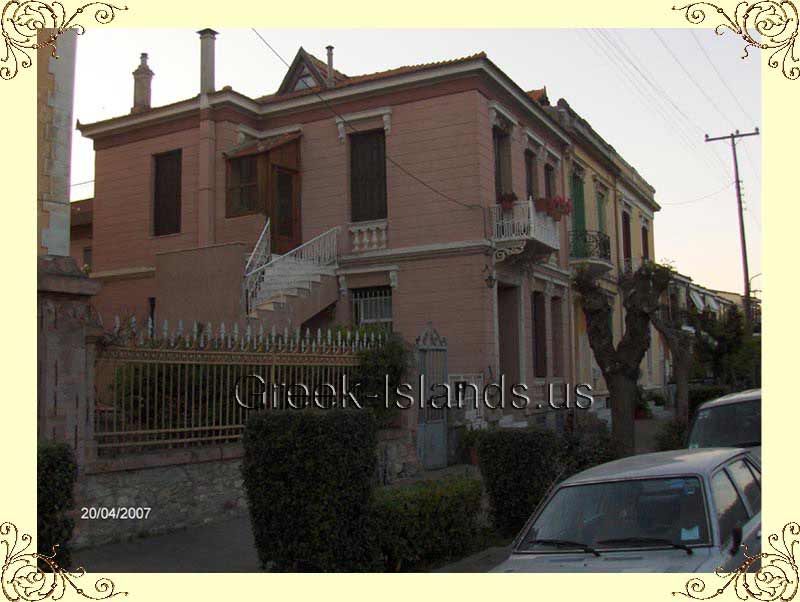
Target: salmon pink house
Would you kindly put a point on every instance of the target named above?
(426, 193)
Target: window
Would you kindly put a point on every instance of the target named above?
(645, 244)
(556, 315)
(626, 238)
(304, 82)
(368, 176)
(242, 186)
(502, 161)
(531, 184)
(730, 508)
(747, 484)
(539, 335)
(167, 193)
(601, 210)
(549, 181)
(372, 306)
(87, 257)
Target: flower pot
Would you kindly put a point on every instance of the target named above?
(556, 216)
(542, 205)
(507, 205)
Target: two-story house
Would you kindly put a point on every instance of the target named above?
(397, 198)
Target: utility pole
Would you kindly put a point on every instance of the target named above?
(746, 272)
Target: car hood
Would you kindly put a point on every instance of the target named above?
(633, 561)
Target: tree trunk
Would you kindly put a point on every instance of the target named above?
(622, 392)
(682, 368)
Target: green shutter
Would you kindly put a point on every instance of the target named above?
(578, 209)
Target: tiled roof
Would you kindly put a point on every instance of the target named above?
(346, 81)
(539, 95)
(322, 67)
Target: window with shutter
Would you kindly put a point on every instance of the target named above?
(167, 193)
(549, 181)
(645, 244)
(530, 175)
(242, 186)
(368, 176)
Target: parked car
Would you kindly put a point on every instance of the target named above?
(675, 511)
(730, 421)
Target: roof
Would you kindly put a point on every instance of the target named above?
(739, 397)
(344, 81)
(675, 462)
(539, 95)
(80, 212)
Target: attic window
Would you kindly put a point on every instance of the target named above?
(305, 81)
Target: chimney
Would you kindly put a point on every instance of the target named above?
(141, 86)
(329, 81)
(207, 37)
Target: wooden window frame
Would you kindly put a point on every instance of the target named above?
(358, 214)
(155, 158)
(531, 175)
(260, 204)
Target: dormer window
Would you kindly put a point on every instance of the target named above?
(304, 82)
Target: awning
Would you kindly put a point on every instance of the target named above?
(712, 304)
(697, 300)
(255, 147)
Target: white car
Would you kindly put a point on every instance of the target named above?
(730, 421)
(677, 511)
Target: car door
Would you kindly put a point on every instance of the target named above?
(731, 514)
(747, 480)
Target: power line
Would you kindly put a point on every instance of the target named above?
(354, 129)
(80, 183)
(701, 198)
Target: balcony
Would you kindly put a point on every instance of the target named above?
(521, 224)
(368, 236)
(590, 250)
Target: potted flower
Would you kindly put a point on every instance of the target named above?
(542, 205)
(507, 200)
(560, 207)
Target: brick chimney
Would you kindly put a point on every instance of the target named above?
(141, 86)
(330, 80)
(207, 37)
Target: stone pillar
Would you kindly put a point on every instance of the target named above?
(67, 329)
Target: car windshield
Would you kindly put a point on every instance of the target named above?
(730, 425)
(666, 512)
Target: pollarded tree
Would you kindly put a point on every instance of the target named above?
(673, 324)
(641, 293)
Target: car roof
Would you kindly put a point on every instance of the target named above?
(676, 462)
(741, 396)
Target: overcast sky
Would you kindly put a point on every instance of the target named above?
(652, 94)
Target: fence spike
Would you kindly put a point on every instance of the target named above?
(116, 324)
(141, 339)
(180, 328)
(133, 324)
(149, 327)
(194, 330)
(164, 330)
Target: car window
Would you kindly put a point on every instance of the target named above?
(730, 425)
(756, 471)
(747, 484)
(731, 511)
(637, 512)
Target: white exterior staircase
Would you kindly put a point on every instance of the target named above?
(286, 290)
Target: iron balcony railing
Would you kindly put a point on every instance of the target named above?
(587, 244)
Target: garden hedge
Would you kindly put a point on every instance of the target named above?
(419, 526)
(701, 393)
(518, 466)
(308, 477)
(56, 472)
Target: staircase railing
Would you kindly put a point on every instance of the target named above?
(317, 252)
(261, 252)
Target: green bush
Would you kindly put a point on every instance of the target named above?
(308, 476)
(518, 467)
(701, 393)
(56, 473)
(393, 359)
(425, 524)
(589, 444)
(672, 435)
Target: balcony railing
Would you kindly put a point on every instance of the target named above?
(522, 222)
(368, 236)
(589, 245)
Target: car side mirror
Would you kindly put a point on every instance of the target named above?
(736, 540)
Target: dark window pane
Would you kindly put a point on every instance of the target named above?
(283, 203)
(548, 181)
(167, 194)
(368, 176)
(243, 185)
(730, 508)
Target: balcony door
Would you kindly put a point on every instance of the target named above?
(578, 205)
(285, 209)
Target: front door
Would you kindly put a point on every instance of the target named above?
(285, 210)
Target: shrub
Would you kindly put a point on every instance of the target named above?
(56, 473)
(672, 435)
(424, 524)
(518, 467)
(308, 476)
(589, 444)
(701, 393)
(393, 359)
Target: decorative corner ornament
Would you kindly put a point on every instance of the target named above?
(776, 21)
(21, 577)
(21, 21)
(775, 577)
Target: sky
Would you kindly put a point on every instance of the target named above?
(652, 94)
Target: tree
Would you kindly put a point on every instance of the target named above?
(673, 325)
(641, 293)
(728, 349)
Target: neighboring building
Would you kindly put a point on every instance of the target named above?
(382, 197)
(80, 241)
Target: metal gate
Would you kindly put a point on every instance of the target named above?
(432, 421)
